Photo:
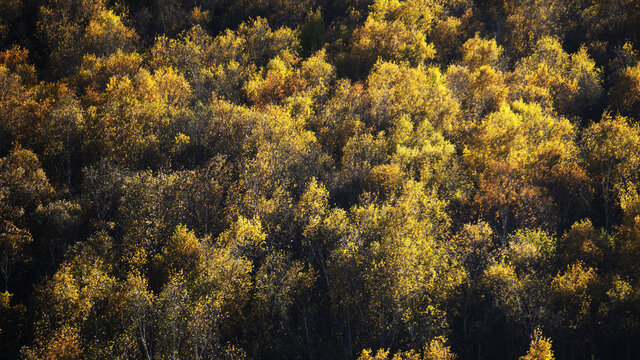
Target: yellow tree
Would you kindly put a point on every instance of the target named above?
(71, 302)
(573, 297)
(568, 83)
(69, 28)
(625, 94)
(106, 33)
(435, 349)
(540, 348)
(513, 154)
(393, 263)
(23, 188)
(417, 93)
(15, 98)
(610, 149)
(395, 31)
(478, 82)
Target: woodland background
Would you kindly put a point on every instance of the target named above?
(319, 179)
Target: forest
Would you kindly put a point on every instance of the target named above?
(319, 179)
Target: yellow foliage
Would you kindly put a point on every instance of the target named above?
(568, 83)
(419, 93)
(625, 95)
(540, 348)
(106, 33)
(396, 31)
(477, 52)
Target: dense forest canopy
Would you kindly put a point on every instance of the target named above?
(320, 179)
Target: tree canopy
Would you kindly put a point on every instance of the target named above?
(319, 179)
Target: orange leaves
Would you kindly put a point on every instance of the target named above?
(285, 80)
(16, 58)
(65, 345)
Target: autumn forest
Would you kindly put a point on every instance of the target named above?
(319, 179)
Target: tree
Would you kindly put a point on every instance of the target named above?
(138, 304)
(422, 153)
(528, 21)
(395, 31)
(540, 348)
(10, 16)
(478, 82)
(281, 289)
(568, 83)
(573, 297)
(625, 95)
(13, 249)
(610, 152)
(396, 264)
(530, 250)
(437, 349)
(23, 187)
(514, 297)
(312, 33)
(12, 324)
(13, 102)
(418, 93)
(72, 300)
(342, 117)
(584, 243)
(70, 28)
(433, 350)
(106, 33)
(508, 154)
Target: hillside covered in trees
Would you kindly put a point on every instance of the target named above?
(320, 179)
